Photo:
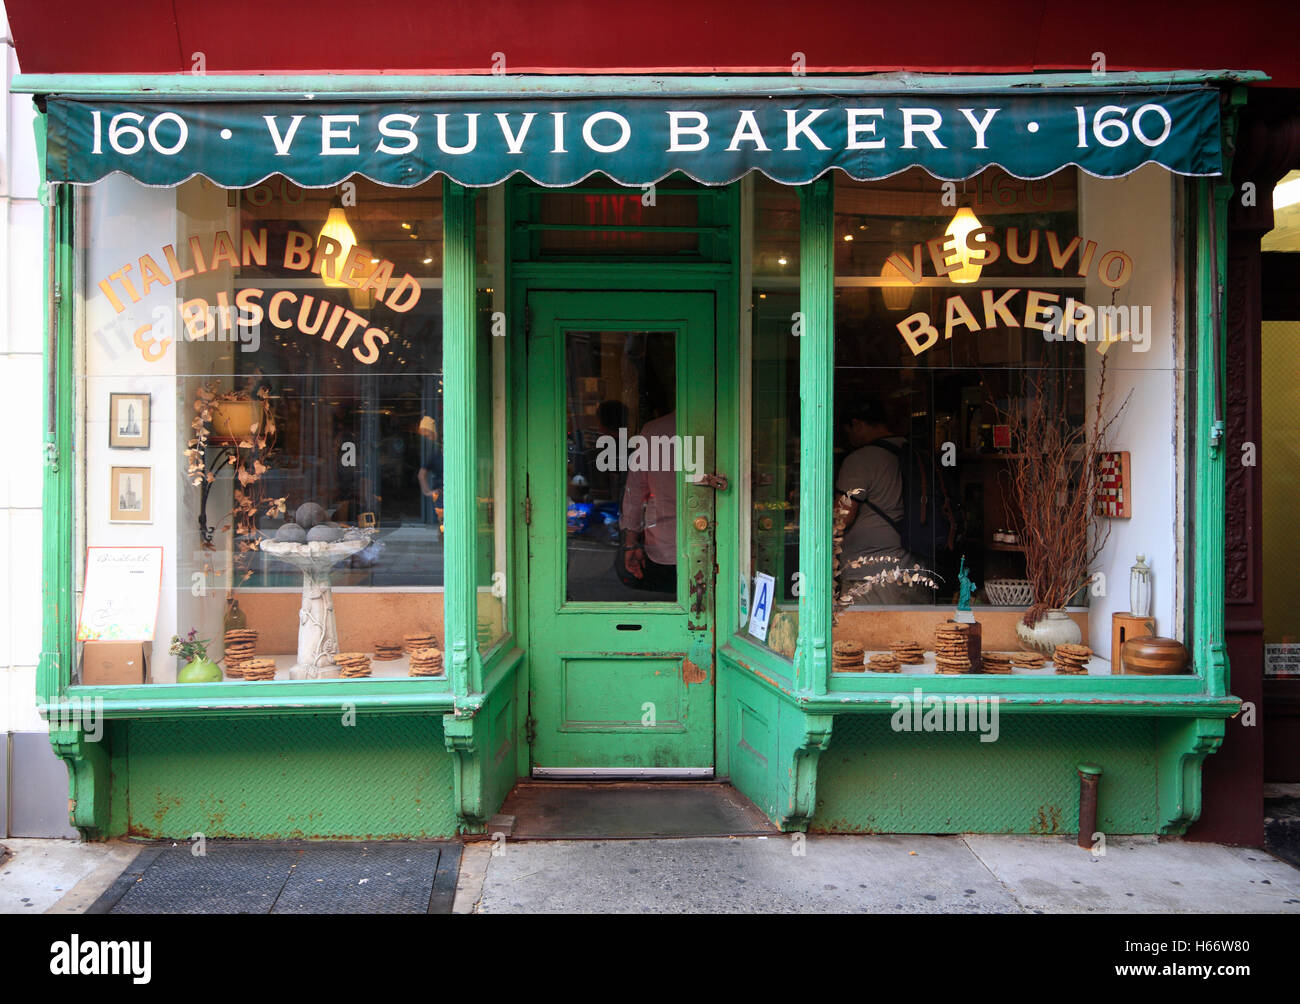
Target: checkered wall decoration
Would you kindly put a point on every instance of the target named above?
(1114, 486)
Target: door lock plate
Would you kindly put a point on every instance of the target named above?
(718, 482)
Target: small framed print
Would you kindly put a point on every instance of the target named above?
(130, 495)
(128, 421)
(1114, 486)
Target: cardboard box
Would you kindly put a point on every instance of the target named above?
(113, 662)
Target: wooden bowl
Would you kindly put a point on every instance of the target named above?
(1153, 657)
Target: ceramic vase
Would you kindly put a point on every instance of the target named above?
(1056, 627)
(199, 671)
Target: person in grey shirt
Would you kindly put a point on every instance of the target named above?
(871, 474)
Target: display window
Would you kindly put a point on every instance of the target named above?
(1008, 383)
(260, 386)
(769, 595)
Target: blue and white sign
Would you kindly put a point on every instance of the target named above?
(764, 597)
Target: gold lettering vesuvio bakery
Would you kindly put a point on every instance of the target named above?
(314, 317)
(1113, 268)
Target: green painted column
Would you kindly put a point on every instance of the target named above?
(816, 420)
(54, 669)
(460, 422)
(1208, 520)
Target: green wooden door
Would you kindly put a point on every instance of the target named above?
(621, 562)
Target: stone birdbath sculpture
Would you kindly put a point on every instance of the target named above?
(318, 634)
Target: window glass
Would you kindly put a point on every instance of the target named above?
(261, 388)
(990, 458)
(769, 595)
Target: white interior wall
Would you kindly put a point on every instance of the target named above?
(125, 220)
(1137, 215)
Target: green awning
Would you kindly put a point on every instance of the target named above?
(556, 140)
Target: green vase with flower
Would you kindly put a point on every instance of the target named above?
(198, 667)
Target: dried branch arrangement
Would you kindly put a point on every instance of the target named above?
(247, 458)
(893, 572)
(1053, 483)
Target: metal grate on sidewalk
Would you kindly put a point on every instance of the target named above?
(287, 877)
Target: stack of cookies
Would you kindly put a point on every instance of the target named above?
(883, 662)
(909, 653)
(1028, 660)
(1070, 659)
(997, 662)
(240, 644)
(259, 669)
(387, 651)
(353, 664)
(846, 657)
(425, 662)
(420, 639)
(952, 648)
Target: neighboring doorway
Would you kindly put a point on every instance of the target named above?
(621, 534)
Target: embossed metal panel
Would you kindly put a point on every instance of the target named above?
(290, 776)
(875, 780)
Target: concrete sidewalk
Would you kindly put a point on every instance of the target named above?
(873, 874)
(59, 876)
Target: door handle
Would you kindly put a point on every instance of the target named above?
(718, 482)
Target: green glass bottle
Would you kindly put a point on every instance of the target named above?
(235, 618)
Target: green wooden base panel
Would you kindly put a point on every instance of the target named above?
(385, 777)
(874, 780)
(485, 747)
(773, 748)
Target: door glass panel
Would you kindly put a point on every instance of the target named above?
(621, 466)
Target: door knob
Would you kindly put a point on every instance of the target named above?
(701, 523)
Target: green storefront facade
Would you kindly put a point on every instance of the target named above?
(703, 267)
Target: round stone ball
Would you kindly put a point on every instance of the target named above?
(309, 514)
(291, 532)
(328, 534)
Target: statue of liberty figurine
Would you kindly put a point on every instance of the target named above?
(967, 586)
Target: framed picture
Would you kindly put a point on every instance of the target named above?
(130, 495)
(1114, 486)
(128, 421)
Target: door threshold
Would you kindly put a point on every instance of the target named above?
(620, 773)
(609, 809)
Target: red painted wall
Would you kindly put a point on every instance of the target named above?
(409, 36)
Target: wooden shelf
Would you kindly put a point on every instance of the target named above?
(998, 545)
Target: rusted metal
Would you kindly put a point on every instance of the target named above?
(691, 673)
(1089, 778)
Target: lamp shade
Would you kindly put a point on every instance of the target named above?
(961, 226)
(898, 295)
(336, 227)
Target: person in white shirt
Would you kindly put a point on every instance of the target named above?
(648, 516)
(870, 486)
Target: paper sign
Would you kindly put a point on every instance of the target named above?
(744, 600)
(120, 598)
(764, 592)
(1282, 659)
